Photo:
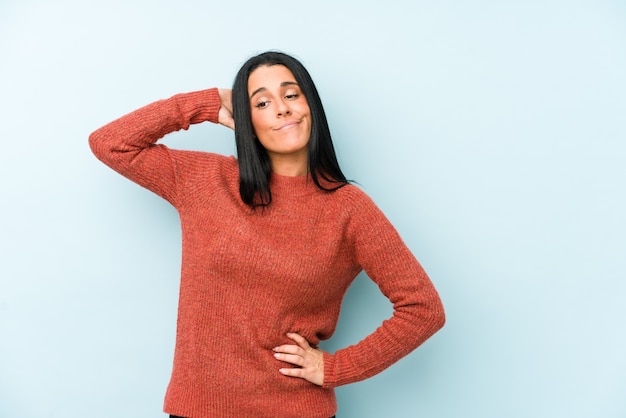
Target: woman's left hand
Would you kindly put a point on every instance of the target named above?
(310, 360)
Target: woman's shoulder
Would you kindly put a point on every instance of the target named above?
(359, 211)
(354, 198)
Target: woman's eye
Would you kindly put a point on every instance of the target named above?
(292, 96)
(261, 104)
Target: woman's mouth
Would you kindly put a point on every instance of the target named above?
(287, 125)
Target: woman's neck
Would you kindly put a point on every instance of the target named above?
(289, 165)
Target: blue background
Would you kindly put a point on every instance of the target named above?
(492, 134)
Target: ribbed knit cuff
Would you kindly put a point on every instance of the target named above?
(200, 106)
(330, 378)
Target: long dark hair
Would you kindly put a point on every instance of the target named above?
(253, 159)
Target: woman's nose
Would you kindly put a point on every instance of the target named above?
(283, 108)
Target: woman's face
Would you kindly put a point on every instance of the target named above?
(281, 118)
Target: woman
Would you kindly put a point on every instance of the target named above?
(271, 242)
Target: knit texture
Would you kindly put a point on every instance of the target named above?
(249, 277)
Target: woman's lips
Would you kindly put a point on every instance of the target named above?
(287, 125)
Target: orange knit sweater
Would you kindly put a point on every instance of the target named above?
(248, 277)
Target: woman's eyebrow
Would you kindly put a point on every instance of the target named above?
(283, 84)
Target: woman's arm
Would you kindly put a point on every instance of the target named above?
(128, 144)
(418, 310)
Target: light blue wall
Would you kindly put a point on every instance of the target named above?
(492, 133)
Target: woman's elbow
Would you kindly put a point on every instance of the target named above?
(437, 314)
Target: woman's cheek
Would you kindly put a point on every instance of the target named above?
(257, 123)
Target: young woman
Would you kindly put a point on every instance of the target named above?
(271, 241)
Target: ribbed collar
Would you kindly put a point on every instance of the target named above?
(292, 185)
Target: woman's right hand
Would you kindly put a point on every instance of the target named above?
(225, 116)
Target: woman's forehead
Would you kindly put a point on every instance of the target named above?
(269, 77)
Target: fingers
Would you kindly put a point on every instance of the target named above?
(294, 372)
(300, 350)
(290, 358)
(291, 354)
(225, 118)
(226, 108)
(300, 340)
(310, 361)
(226, 98)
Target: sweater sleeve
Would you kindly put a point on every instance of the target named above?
(417, 309)
(128, 144)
